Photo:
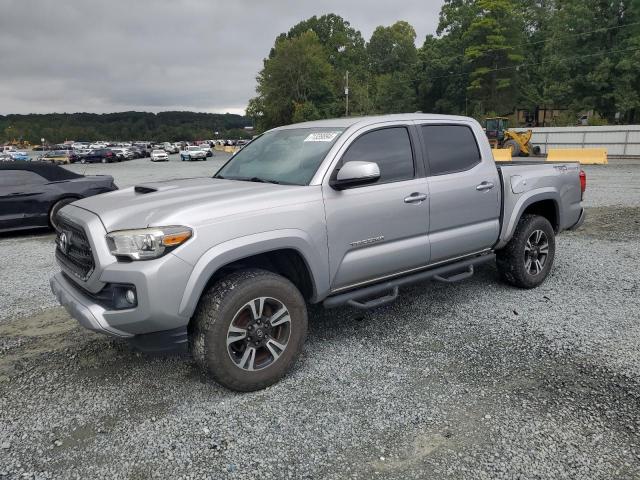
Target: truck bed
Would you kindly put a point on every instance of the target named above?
(529, 181)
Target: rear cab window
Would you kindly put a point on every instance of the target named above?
(450, 148)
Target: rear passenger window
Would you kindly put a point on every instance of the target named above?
(450, 148)
(390, 148)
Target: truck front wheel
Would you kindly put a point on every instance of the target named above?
(513, 145)
(248, 329)
(526, 261)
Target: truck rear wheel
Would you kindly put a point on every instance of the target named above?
(248, 329)
(526, 261)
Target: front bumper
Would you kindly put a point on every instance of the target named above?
(159, 286)
(81, 307)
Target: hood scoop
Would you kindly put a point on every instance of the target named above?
(143, 189)
(150, 188)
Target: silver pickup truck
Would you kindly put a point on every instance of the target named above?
(338, 212)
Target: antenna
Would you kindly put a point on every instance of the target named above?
(346, 93)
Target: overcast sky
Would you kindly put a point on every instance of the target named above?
(154, 55)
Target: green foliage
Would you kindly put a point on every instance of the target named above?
(392, 49)
(296, 79)
(488, 56)
(492, 42)
(164, 126)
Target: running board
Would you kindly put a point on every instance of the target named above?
(386, 292)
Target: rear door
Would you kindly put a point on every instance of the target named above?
(464, 190)
(379, 229)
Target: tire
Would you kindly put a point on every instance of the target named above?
(513, 145)
(104, 160)
(55, 208)
(234, 364)
(523, 262)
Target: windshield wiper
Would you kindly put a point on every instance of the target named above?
(263, 180)
(249, 179)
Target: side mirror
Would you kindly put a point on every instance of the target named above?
(355, 173)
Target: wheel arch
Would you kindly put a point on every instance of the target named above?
(544, 203)
(62, 196)
(292, 256)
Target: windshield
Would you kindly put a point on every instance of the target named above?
(289, 156)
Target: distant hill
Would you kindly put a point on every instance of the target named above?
(163, 126)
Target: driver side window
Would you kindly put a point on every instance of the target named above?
(390, 148)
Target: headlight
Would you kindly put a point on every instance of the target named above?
(147, 243)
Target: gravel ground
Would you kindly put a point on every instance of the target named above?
(472, 380)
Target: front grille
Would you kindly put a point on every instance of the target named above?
(73, 249)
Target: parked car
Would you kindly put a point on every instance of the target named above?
(32, 193)
(5, 157)
(59, 157)
(19, 156)
(97, 146)
(170, 148)
(335, 212)
(98, 155)
(123, 153)
(159, 156)
(207, 149)
(78, 145)
(193, 152)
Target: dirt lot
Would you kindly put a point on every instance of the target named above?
(472, 380)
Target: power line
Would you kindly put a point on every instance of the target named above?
(561, 37)
(539, 63)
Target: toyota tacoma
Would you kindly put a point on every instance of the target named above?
(337, 212)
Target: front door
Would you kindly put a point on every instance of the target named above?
(380, 229)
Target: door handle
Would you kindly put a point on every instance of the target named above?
(484, 186)
(415, 197)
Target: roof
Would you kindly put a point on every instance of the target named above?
(345, 122)
(46, 170)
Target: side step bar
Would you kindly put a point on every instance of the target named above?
(386, 292)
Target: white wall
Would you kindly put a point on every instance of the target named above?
(619, 140)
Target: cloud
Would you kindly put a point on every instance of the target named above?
(155, 55)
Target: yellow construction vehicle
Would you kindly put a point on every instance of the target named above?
(499, 135)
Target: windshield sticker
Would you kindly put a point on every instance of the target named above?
(321, 137)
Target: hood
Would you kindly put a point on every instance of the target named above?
(190, 202)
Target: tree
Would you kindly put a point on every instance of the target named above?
(394, 93)
(345, 51)
(392, 57)
(170, 126)
(296, 79)
(494, 41)
(392, 49)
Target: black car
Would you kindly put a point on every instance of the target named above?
(99, 155)
(31, 193)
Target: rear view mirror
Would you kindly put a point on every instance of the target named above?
(354, 174)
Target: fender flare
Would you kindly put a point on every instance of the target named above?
(521, 205)
(238, 248)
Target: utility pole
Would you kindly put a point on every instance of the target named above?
(346, 93)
